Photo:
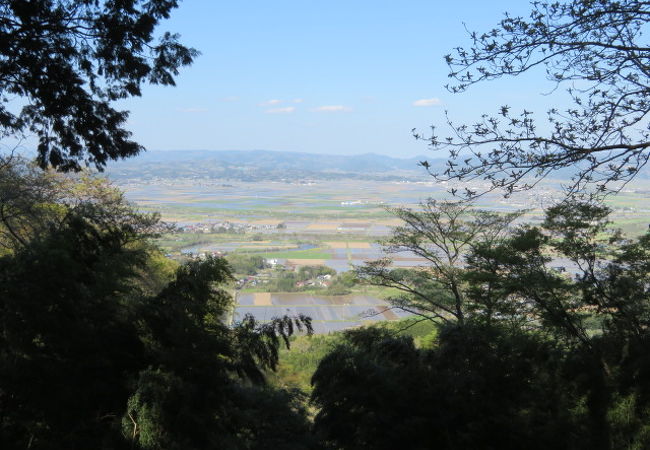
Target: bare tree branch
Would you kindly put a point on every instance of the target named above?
(596, 49)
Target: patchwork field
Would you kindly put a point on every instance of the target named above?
(320, 223)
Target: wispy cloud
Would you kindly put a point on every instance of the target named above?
(297, 100)
(196, 109)
(285, 110)
(333, 108)
(428, 102)
(232, 98)
(272, 102)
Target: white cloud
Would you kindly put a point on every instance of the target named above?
(428, 102)
(197, 109)
(232, 98)
(298, 100)
(285, 110)
(333, 108)
(272, 102)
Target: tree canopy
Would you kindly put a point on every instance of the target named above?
(63, 63)
(597, 50)
(542, 358)
(106, 344)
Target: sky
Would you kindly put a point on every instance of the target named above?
(326, 76)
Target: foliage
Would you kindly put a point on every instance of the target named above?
(441, 233)
(244, 264)
(298, 363)
(102, 346)
(305, 278)
(70, 61)
(191, 396)
(473, 390)
(66, 335)
(343, 283)
(609, 284)
(596, 49)
(537, 375)
(309, 272)
(35, 202)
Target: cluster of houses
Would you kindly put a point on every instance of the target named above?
(361, 202)
(264, 278)
(251, 281)
(319, 281)
(199, 255)
(231, 227)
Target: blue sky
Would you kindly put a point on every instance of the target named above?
(339, 77)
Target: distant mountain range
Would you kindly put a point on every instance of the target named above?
(250, 165)
(258, 165)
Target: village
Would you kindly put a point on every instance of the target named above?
(231, 227)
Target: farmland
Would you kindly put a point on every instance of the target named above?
(319, 222)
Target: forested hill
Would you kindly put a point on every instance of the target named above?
(265, 164)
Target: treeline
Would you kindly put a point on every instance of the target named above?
(313, 278)
(299, 362)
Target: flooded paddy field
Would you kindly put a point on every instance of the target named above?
(340, 200)
(328, 313)
(344, 206)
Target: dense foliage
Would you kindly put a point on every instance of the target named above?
(103, 346)
(243, 264)
(68, 61)
(477, 388)
(539, 357)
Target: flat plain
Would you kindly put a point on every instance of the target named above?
(338, 224)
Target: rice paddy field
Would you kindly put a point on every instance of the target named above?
(334, 224)
(328, 313)
(330, 202)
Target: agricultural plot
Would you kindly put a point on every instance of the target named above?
(344, 207)
(328, 313)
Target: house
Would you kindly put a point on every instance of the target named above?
(271, 262)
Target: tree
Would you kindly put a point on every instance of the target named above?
(242, 264)
(442, 233)
(68, 61)
(562, 364)
(479, 387)
(597, 49)
(101, 347)
(190, 394)
(599, 313)
(33, 203)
